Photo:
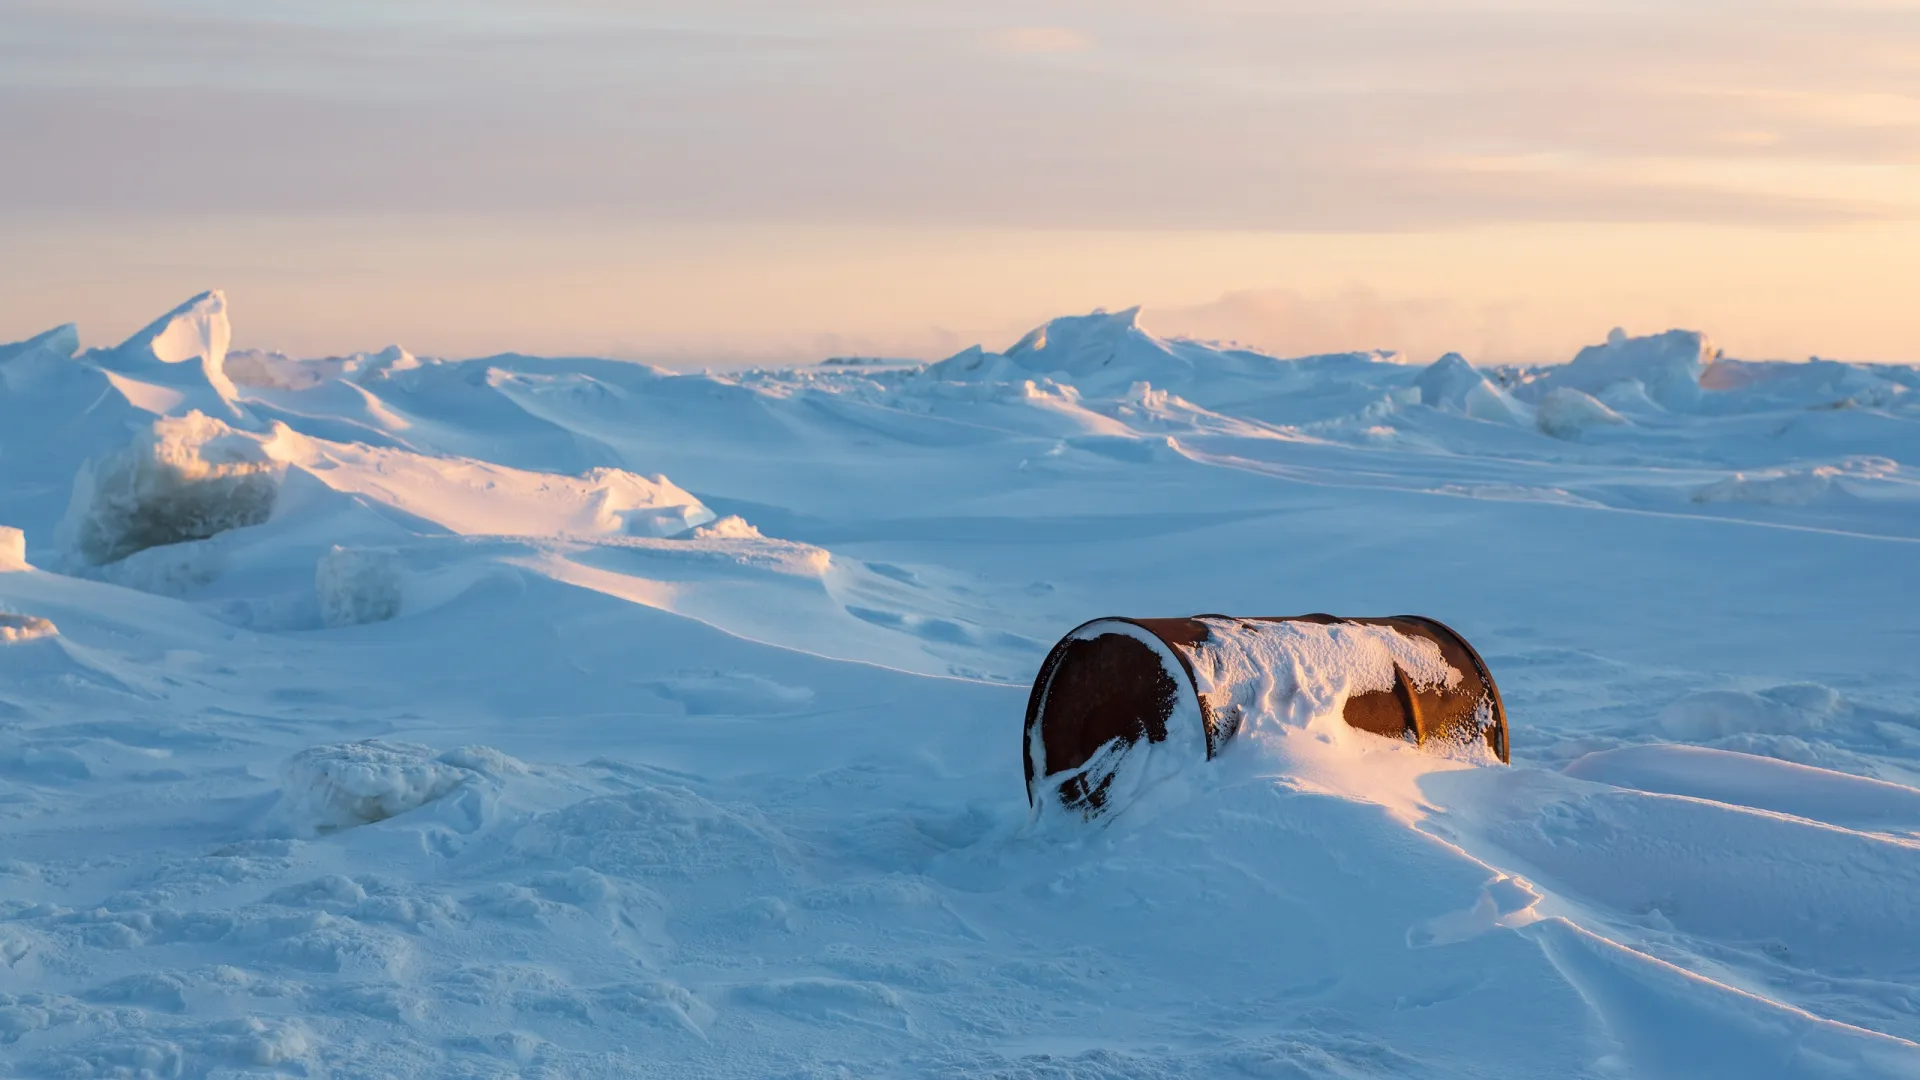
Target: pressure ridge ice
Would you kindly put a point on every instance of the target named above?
(392, 715)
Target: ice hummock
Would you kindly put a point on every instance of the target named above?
(341, 785)
(177, 363)
(1667, 367)
(1454, 384)
(180, 479)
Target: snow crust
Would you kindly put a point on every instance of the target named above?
(358, 586)
(1566, 413)
(1789, 487)
(339, 786)
(15, 628)
(739, 796)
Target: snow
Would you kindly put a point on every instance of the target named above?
(17, 628)
(177, 363)
(1784, 487)
(181, 479)
(1667, 368)
(516, 716)
(1566, 413)
(358, 585)
(1453, 383)
(339, 786)
(13, 549)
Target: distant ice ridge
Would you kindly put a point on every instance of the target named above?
(1099, 355)
(1453, 383)
(258, 369)
(1668, 366)
(1105, 353)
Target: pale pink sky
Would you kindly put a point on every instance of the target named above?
(712, 180)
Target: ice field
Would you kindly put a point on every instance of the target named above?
(388, 716)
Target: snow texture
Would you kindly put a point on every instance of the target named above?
(1454, 384)
(358, 585)
(515, 716)
(346, 784)
(183, 479)
(13, 549)
(17, 628)
(1566, 413)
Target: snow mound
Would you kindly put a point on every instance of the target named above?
(1815, 384)
(261, 369)
(478, 498)
(1566, 413)
(1667, 365)
(1074, 346)
(731, 527)
(1453, 384)
(1781, 487)
(1103, 353)
(178, 362)
(61, 341)
(13, 549)
(185, 478)
(1759, 782)
(358, 586)
(1795, 709)
(340, 785)
(17, 628)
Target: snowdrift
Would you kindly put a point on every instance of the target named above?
(1667, 368)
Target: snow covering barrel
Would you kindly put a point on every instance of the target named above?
(1186, 686)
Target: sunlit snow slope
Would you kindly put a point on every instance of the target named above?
(391, 716)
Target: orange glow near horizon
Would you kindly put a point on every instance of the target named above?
(726, 181)
(687, 296)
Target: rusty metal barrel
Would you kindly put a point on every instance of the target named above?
(1114, 683)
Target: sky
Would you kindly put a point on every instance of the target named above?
(703, 182)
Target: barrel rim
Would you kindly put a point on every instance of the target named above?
(1058, 653)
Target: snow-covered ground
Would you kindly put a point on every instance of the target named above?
(389, 716)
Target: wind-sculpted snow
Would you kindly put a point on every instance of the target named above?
(387, 715)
